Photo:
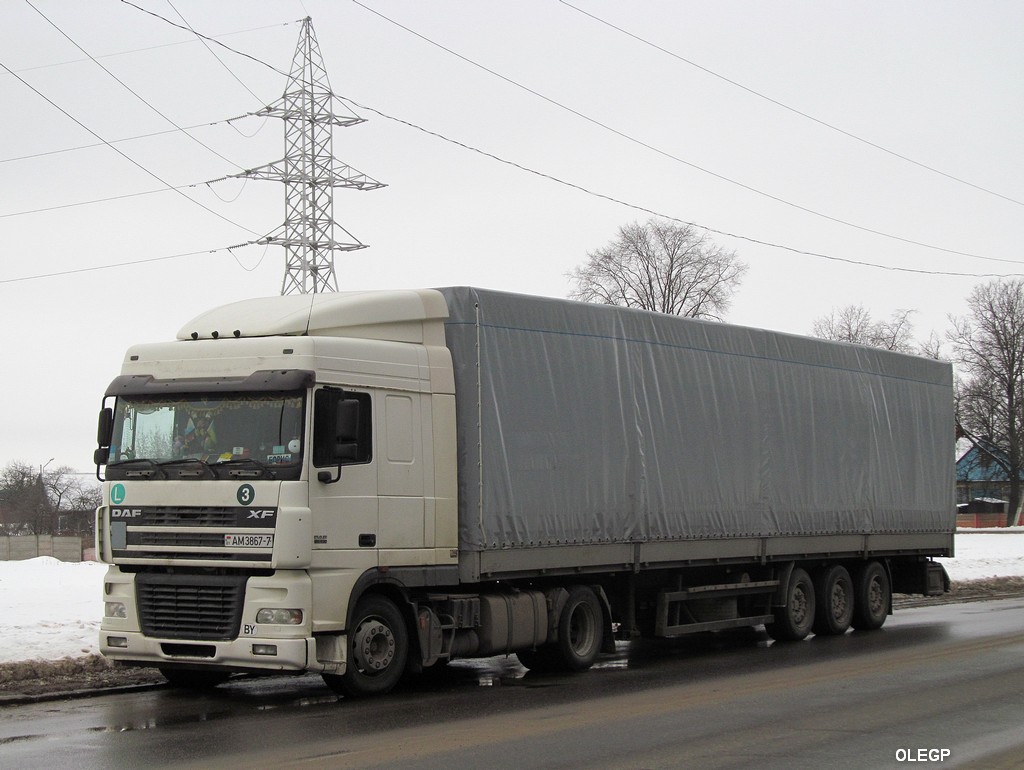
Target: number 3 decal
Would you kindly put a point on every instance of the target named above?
(246, 494)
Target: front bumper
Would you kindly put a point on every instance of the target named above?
(242, 654)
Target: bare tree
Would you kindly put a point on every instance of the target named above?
(660, 266)
(988, 346)
(38, 501)
(854, 323)
(932, 348)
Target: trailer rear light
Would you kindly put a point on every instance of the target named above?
(264, 649)
(279, 617)
(115, 610)
(117, 641)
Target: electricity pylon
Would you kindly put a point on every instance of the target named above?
(310, 173)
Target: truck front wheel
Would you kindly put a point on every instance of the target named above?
(378, 647)
(794, 621)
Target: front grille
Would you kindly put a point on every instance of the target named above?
(130, 557)
(152, 532)
(198, 539)
(183, 606)
(191, 517)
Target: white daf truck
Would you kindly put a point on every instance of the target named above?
(368, 484)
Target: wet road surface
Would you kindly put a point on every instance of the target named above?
(933, 680)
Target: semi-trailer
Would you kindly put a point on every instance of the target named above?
(368, 484)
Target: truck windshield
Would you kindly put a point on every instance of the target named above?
(258, 433)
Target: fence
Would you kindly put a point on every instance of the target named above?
(61, 547)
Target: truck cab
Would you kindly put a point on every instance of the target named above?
(263, 464)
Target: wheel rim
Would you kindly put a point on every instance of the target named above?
(875, 599)
(373, 646)
(799, 606)
(840, 603)
(582, 629)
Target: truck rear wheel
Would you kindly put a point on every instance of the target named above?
(580, 634)
(794, 621)
(378, 647)
(580, 629)
(872, 596)
(833, 594)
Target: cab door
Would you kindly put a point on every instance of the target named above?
(343, 494)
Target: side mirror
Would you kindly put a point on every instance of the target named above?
(105, 428)
(104, 435)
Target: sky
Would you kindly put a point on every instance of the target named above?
(51, 609)
(862, 153)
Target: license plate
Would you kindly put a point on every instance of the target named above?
(248, 541)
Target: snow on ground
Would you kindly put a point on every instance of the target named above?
(51, 609)
(985, 553)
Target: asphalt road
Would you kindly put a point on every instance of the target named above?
(940, 686)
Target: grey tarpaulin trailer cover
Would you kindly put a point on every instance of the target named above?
(591, 436)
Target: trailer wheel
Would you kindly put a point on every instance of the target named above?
(378, 647)
(872, 596)
(794, 621)
(194, 679)
(833, 594)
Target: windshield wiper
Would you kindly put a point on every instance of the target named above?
(257, 469)
(204, 467)
(149, 472)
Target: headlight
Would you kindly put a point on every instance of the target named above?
(279, 617)
(115, 610)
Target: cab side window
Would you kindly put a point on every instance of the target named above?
(342, 428)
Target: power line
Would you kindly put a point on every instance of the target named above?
(512, 164)
(207, 37)
(658, 150)
(96, 268)
(150, 48)
(60, 206)
(215, 56)
(118, 141)
(646, 210)
(795, 111)
(127, 87)
(135, 163)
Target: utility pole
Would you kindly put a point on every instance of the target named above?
(310, 173)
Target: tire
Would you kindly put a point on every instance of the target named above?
(872, 596)
(580, 635)
(194, 679)
(580, 629)
(378, 648)
(794, 621)
(834, 604)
